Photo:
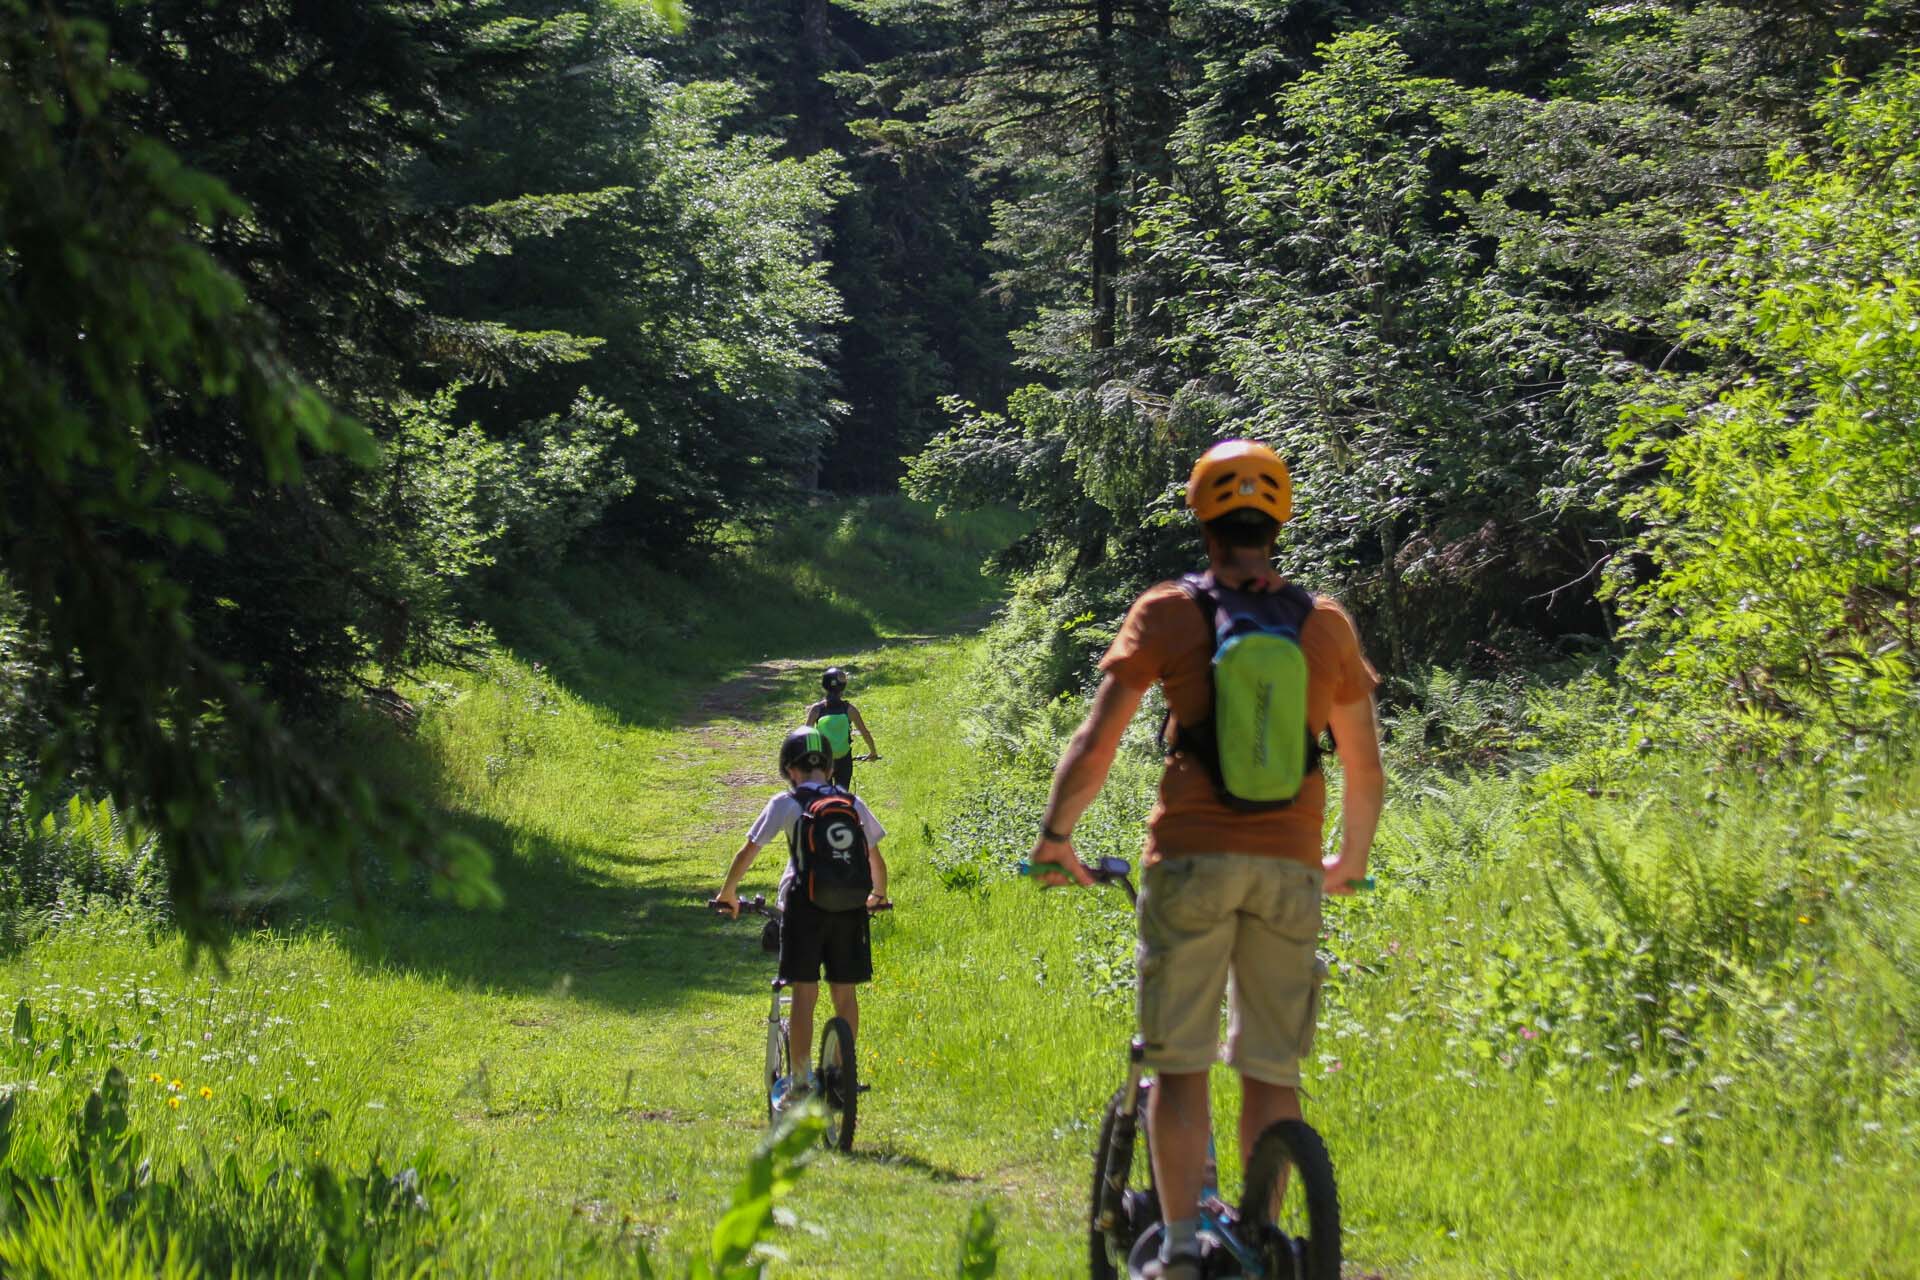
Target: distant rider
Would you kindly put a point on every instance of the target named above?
(838, 718)
(1226, 891)
(810, 937)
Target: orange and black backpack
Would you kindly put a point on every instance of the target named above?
(829, 849)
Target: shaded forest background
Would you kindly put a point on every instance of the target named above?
(1589, 331)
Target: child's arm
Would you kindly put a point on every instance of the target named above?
(729, 892)
(877, 865)
(861, 725)
(813, 714)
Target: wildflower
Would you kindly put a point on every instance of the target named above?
(176, 1086)
(205, 1092)
(155, 1077)
(174, 1102)
(1806, 919)
(1334, 1065)
(1528, 1033)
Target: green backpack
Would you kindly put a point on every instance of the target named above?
(836, 726)
(1256, 743)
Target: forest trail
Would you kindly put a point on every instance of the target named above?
(906, 1190)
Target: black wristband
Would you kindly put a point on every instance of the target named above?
(1048, 833)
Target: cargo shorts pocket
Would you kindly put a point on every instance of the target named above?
(1174, 901)
(1311, 1023)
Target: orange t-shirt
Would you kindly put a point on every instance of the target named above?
(1165, 638)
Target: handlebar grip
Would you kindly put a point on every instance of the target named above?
(878, 907)
(1104, 871)
(1362, 885)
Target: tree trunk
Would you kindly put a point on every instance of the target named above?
(1156, 75)
(1106, 181)
(1396, 606)
(814, 125)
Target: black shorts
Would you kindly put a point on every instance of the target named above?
(843, 772)
(811, 938)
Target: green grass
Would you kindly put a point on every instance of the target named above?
(586, 1060)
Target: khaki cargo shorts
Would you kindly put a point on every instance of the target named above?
(1235, 924)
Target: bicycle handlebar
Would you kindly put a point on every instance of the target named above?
(1108, 870)
(757, 906)
(1105, 871)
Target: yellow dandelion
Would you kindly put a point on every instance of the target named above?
(205, 1092)
(156, 1077)
(174, 1102)
(1806, 919)
(176, 1086)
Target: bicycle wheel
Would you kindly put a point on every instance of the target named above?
(839, 1083)
(1291, 1208)
(778, 1058)
(1136, 1207)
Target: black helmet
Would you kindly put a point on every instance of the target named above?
(806, 748)
(834, 681)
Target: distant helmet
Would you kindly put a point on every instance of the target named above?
(807, 749)
(834, 681)
(1240, 475)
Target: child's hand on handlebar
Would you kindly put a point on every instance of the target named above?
(726, 901)
(1057, 853)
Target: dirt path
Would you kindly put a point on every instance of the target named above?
(736, 698)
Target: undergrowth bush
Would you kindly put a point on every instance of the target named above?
(85, 1188)
(66, 861)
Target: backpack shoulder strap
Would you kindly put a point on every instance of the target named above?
(1198, 588)
(1297, 603)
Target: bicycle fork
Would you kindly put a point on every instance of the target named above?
(776, 1033)
(1113, 1178)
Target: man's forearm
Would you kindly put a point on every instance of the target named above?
(1361, 804)
(1077, 780)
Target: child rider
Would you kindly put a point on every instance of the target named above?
(811, 938)
(838, 718)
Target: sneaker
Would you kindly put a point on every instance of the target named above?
(1184, 1266)
(787, 1095)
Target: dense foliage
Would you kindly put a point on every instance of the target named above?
(1529, 295)
(318, 318)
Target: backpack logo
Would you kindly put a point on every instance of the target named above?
(1262, 716)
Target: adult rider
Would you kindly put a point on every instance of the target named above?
(1224, 892)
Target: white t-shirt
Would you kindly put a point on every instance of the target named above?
(782, 815)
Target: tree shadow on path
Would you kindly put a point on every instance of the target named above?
(568, 928)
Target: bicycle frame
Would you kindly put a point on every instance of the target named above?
(1216, 1218)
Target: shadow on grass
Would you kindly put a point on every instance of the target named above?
(567, 929)
(893, 1158)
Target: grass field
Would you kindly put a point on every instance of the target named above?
(1666, 1030)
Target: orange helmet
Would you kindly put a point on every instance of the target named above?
(1240, 475)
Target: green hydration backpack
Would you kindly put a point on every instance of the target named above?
(1256, 743)
(836, 726)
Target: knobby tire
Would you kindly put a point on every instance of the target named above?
(1292, 1145)
(839, 1083)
